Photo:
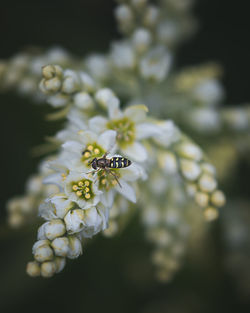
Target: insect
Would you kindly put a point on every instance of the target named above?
(108, 164)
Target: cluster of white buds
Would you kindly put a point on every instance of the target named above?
(166, 225)
(23, 71)
(185, 157)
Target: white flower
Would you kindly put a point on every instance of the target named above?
(88, 146)
(120, 181)
(130, 126)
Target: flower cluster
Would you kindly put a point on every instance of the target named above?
(112, 156)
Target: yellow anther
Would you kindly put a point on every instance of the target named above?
(86, 189)
(75, 187)
(104, 181)
(87, 154)
(87, 195)
(79, 193)
(96, 151)
(90, 147)
(86, 183)
(63, 176)
(80, 183)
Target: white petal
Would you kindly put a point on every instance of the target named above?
(133, 172)
(98, 124)
(146, 130)
(73, 146)
(54, 179)
(126, 190)
(136, 113)
(136, 152)
(114, 108)
(107, 139)
(107, 198)
(87, 137)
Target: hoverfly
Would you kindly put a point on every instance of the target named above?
(105, 164)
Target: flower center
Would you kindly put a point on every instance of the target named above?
(92, 151)
(83, 189)
(125, 129)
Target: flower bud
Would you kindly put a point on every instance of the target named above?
(33, 269)
(70, 83)
(104, 96)
(93, 222)
(51, 71)
(48, 269)
(83, 100)
(211, 214)
(60, 264)
(42, 251)
(60, 246)
(207, 183)
(201, 199)
(88, 82)
(74, 221)
(190, 169)
(75, 247)
(54, 228)
(218, 198)
(190, 151)
(141, 39)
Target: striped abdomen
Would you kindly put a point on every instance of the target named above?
(119, 162)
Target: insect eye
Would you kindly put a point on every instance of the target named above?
(94, 165)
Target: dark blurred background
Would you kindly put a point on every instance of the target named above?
(112, 275)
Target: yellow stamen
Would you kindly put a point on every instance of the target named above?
(79, 193)
(90, 148)
(96, 151)
(87, 154)
(87, 195)
(104, 181)
(80, 183)
(86, 189)
(75, 187)
(86, 183)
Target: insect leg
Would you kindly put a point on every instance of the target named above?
(116, 178)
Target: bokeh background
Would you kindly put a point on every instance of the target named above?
(113, 275)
